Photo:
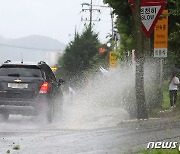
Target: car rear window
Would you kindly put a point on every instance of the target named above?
(20, 71)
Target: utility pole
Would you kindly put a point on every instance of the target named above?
(112, 25)
(91, 10)
(90, 15)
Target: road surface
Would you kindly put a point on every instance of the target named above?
(36, 137)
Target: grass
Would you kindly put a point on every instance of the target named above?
(165, 111)
(160, 151)
(166, 100)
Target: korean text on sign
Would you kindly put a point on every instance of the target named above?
(161, 36)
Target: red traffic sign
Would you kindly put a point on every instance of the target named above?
(150, 12)
(148, 1)
(149, 16)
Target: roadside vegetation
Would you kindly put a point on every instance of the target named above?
(126, 25)
(82, 55)
(160, 151)
(164, 110)
(126, 28)
(166, 103)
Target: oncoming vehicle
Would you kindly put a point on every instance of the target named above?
(29, 89)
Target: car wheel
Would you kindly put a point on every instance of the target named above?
(5, 116)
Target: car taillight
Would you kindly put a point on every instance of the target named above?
(44, 88)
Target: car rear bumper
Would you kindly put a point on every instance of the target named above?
(23, 107)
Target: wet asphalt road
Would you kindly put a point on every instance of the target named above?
(35, 137)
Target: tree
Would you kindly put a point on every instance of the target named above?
(78, 56)
(125, 18)
(122, 8)
(174, 33)
(125, 23)
(140, 93)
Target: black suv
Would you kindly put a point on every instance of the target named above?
(29, 89)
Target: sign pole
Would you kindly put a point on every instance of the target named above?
(161, 83)
(160, 46)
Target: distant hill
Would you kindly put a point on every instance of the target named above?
(32, 48)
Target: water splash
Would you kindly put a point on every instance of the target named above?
(103, 102)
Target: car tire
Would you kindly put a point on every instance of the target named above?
(5, 116)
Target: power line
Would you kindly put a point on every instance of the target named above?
(91, 10)
(27, 48)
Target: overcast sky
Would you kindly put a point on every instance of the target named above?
(54, 18)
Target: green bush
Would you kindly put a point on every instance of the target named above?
(160, 151)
